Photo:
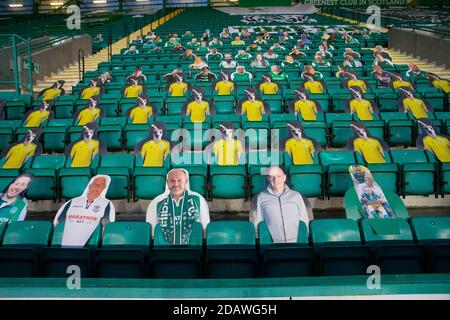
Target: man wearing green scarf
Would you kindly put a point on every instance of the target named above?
(177, 209)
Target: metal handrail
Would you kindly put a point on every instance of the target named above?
(109, 45)
(81, 66)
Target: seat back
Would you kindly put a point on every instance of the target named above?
(408, 156)
(429, 229)
(49, 162)
(336, 157)
(28, 233)
(370, 236)
(230, 233)
(117, 160)
(127, 233)
(334, 232)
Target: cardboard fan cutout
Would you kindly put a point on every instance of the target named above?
(370, 194)
(134, 89)
(307, 109)
(370, 148)
(298, 149)
(54, 91)
(197, 109)
(179, 87)
(90, 113)
(20, 153)
(224, 86)
(408, 103)
(361, 108)
(205, 75)
(83, 214)
(93, 89)
(14, 204)
(2, 111)
(143, 112)
(137, 75)
(431, 140)
(252, 108)
(230, 149)
(268, 86)
(154, 151)
(36, 118)
(312, 85)
(170, 77)
(81, 153)
(351, 81)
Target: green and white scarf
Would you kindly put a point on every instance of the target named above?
(177, 219)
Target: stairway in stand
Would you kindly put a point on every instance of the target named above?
(70, 73)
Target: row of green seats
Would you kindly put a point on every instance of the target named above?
(337, 247)
(329, 130)
(407, 172)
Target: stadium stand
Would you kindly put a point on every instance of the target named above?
(231, 247)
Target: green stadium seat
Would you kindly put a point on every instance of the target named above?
(418, 175)
(124, 246)
(387, 101)
(3, 227)
(434, 232)
(55, 260)
(387, 175)
(275, 102)
(372, 238)
(54, 138)
(435, 98)
(142, 176)
(256, 133)
(73, 181)
(45, 169)
(279, 260)
(14, 110)
(400, 129)
(338, 243)
(316, 130)
(219, 118)
(308, 179)
(134, 133)
(174, 105)
(63, 109)
(432, 229)
(6, 137)
(119, 167)
(401, 258)
(228, 182)
(169, 261)
(22, 243)
(336, 164)
(112, 136)
(224, 104)
(445, 117)
(230, 250)
(74, 133)
(110, 107)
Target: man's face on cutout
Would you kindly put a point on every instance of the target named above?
(177, 182)
(277, 178)
(96, 188)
